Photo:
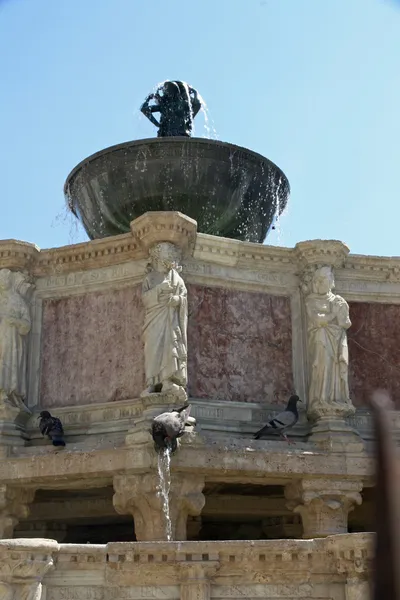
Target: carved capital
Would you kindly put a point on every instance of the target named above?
(323, 505)
(317, 253)
(18, 256)
(141, 497)
(314, 254)
(165, 226)
(13, 507)
(23, 564)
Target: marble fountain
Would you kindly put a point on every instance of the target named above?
(84, 336)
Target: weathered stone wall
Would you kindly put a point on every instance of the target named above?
(240, 345)
(91, 348)
(374, 347)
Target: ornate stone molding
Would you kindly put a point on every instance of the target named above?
(324, 504)
(165, 226)
(233, 563)
(23, 564)
(318, 253)
(13, 507)
(141, 497)
(17, 255)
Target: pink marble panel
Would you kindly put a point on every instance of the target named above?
(374, 348)
(91, 348)
(240, 345)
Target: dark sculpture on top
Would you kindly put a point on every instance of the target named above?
(178, 104)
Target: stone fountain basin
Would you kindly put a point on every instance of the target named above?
(230, 191)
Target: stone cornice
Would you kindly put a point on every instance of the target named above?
(121, 249)
(238, 461)
(165, 226)
(137, 563)
(318, 253)
(373, 268)
(18, 256)
(124, 248)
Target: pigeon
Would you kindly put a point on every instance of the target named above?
(52, 427)
(169, 426)
(282, 422)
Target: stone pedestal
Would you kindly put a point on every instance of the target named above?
(13, 507)
(23, 564)
(323, 505)
(141, 497)
(331, 432)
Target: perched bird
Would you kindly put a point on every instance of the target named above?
(282, 422)
(169, 426)
(52, 427)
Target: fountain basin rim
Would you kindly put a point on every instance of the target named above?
(167, 140)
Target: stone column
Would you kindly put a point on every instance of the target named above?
(326, 320)
(13, 507)
(23, 564)
(323, 504)
(140, 496)
(195, 580)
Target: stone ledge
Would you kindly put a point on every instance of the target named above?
(238, 460)
(105, 423)
(341, 554)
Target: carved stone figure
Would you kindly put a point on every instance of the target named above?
(328, 321)
(165, 323)
(15, 324)
(178, 104)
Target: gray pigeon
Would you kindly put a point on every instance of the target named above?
(169, 426)
(52, 427)
(283, 421)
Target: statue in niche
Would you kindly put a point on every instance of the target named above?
(328, 321)
(178, 104)
(15, 324)
(165, 323)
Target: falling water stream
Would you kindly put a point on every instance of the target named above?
(164, 473)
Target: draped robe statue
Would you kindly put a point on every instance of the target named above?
(328, 321)
(165, 324)
(15, 324)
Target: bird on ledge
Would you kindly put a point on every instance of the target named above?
(52, 427)
(284, 421)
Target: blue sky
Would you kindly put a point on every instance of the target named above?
(314, 85)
